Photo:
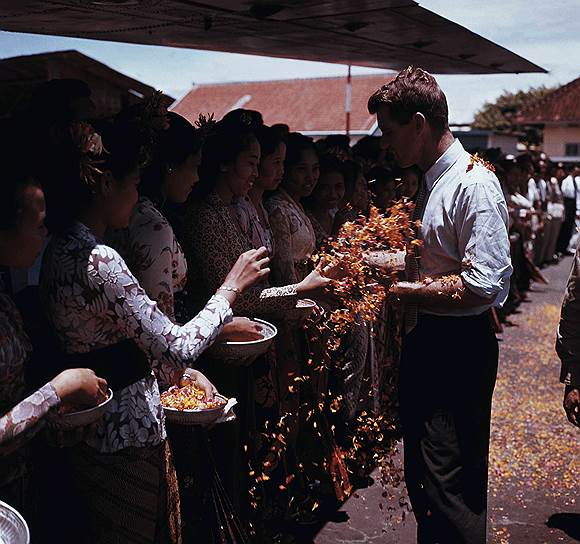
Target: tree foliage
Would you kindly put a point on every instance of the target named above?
(497, 115)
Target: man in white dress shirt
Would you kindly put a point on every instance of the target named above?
(449, 355)
(571, 192)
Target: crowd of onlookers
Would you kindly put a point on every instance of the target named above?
(544, 204)
(165, 237)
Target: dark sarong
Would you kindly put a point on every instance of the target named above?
(130, 495)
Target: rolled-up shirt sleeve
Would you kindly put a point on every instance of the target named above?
(483, 239)
(568, 337)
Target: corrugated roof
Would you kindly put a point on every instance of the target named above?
(560, 106)
(306, 105)
(387, 34)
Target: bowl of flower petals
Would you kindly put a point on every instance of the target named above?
(70, 416)
(244, 353)
(187, 405)
(13, 527)
(386, 260)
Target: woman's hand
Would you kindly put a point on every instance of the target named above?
(191, 375)
(251, 267)
(314, 284)
(241, 329)
(80, 387)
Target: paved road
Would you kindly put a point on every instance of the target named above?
(535, 453)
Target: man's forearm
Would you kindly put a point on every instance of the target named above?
(438, 293)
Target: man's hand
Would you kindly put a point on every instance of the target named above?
(572, 404)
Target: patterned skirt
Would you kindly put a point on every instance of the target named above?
(131, 495)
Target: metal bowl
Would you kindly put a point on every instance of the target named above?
(244, 353)
(205, 416)
(13, 527)
(81, 418)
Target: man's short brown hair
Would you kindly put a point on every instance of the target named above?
(412, 91)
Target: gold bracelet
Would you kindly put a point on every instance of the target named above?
(229, 288)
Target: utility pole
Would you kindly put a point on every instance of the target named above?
(348, 100)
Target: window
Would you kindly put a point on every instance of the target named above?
(572, 150)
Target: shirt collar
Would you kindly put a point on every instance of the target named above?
(443, 163)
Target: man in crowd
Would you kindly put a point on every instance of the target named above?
(568, 344)
(571, 192)
(449, 355)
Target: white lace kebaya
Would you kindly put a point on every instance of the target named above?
(94, 301)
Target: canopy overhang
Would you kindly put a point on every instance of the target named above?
(388, 34)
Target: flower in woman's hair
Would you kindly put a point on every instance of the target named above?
(95, 144)
(206, 123)
(338, 152)
(206, 126)
(153, 115)
(89, 146)
(85, 139)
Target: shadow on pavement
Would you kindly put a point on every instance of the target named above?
(567, 522)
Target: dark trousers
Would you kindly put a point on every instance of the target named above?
(567, 226)
(448, 372)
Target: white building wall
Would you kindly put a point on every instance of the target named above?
(556, 138)
(507, 143)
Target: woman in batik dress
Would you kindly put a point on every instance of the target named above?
(22, 412)
(153, 253)
(96, 305)
(211, 238)
(295, 242)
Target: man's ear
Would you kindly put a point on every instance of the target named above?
(420, 122)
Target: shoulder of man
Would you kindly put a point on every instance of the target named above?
(477, 170)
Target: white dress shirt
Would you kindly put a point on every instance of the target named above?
(533, 190)
(571, 188)
(465, 229)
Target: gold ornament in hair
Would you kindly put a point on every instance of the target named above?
(147, 120)
(89, 146)
(337, 152)
(206, 125)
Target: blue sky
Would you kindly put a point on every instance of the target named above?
(544, 32)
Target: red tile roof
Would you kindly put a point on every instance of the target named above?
(560, 106)
(315, 105)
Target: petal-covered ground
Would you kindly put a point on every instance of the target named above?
(534, 488)
(535, 453)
